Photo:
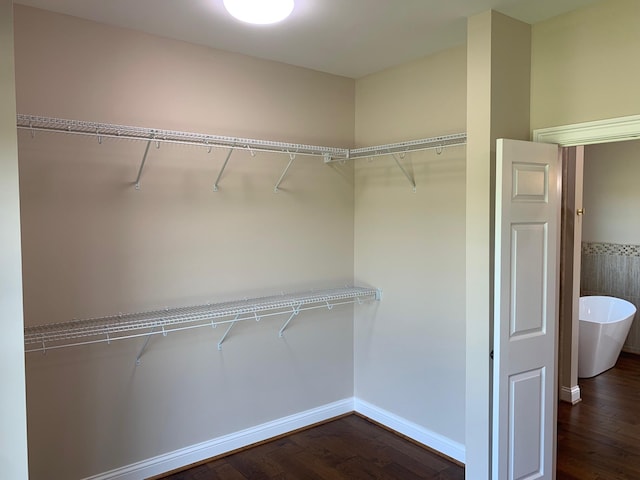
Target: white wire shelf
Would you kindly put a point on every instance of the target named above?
(433, 143)
(150, 135)
(144, 324)
(398, 150)
(106, 130)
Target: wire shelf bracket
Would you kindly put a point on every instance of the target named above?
(144, 347)
(292, 157)
(144, 159)
(294, 313)
(44, 338)
(224, 165)
(406, 174)
(226, 333)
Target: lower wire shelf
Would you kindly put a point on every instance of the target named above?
(145, 324)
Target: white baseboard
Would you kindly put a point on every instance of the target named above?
(570, 394)
(420, 434)
(227, 443)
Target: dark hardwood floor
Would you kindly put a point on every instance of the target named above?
(599, 438)
(349, 448)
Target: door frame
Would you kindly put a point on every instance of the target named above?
(570, 266)
(588, 133)
(579, 134)
(478, 375)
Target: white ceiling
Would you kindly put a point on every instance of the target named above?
(345, 37)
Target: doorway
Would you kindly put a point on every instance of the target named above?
(610, 234)
(574, 135)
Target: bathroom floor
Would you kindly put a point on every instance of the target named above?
(599, 438)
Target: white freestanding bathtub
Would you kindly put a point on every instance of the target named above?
(603, 329)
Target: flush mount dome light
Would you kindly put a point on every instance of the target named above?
(259, 11)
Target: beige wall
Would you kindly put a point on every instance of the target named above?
(419, 99)
(478, 196)
(498, 72)
(93, 245)
(611, 194)
(611, 202)
(584, 65)
(13, 441)
(409, 359)
(132, 78)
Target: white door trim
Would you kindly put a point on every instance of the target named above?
(587, 133)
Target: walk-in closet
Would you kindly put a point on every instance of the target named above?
(210, 248)
(218, 249)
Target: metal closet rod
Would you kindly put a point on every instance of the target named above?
(330, 154)
(145, 324)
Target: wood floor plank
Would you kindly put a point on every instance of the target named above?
(349, 448)
(599, 438)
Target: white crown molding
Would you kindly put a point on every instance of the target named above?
(588, 133)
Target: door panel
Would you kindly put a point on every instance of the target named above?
(528, 242)
(525, 440)
(525, 306)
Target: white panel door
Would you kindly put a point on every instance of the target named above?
(526, 310)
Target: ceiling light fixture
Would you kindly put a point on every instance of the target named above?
(260, 12)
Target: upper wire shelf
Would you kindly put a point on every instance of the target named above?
(330, 154)
(144, 324)
(410, 146)
(49, 124)
(38, 123)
